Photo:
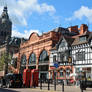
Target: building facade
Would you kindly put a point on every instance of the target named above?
(34, 53)
(72, 53)
(60, 61)
(41, 52)
(82, 54)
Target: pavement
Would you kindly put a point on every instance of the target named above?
(59, 88)
(45, 89)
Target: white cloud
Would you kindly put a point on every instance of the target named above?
(19, 9)
(79, 14)
(25, 34)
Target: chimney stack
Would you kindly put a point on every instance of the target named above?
(73, 29)
(83, 28)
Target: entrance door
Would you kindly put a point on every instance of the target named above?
(43, 72)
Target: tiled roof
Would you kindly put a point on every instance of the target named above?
(68, 39)
(77, 38)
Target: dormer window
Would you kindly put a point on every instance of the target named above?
(83, 38)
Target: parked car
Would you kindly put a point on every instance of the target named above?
(11, 80)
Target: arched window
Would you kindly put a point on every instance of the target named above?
(23, 60)
(32, 58)
(62, 72)
(67, 72)
(43, 56)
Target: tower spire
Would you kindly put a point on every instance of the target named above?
(5, 13)
(5, 25)
(5, 9)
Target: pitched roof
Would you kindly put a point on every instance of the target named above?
(68, 39)
(77, 39)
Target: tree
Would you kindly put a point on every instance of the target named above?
(1, 65)
(5, 60)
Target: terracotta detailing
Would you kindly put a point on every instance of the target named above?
(36, 44)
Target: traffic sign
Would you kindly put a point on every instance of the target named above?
(56, 65)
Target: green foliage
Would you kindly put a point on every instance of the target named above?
(5, 59)
(1, 65)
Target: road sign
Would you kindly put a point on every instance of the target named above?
(56, 65)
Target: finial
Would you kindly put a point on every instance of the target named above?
(5, 8)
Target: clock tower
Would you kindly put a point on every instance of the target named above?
(5, 25)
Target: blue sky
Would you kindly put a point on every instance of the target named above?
(44, 15)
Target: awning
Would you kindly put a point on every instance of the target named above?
(73, 74)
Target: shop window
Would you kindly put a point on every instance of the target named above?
(67, 74)
(61, 73)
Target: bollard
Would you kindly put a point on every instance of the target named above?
(81, 86)
(34, 84)
(63, 87)
(81, 90)
(48, 84)
(40, 84)
(55, 84)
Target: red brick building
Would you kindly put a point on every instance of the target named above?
(34, 53)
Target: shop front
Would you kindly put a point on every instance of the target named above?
(43, 72)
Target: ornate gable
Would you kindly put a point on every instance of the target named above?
(34, 37)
